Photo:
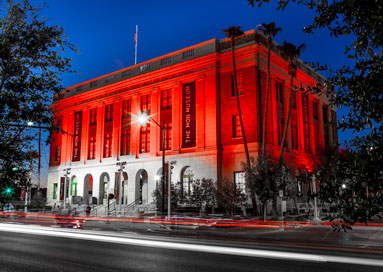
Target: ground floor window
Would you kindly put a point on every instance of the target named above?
(54, 190)
(187, 180)
(239, 181)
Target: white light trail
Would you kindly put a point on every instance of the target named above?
(257, 253)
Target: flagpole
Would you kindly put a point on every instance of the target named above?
(135, 44)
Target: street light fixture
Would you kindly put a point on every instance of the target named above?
(143, 119)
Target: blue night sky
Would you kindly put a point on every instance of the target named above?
(104, 31)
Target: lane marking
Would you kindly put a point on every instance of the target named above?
(257, 253)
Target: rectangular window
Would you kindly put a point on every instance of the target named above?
(93, 116)
(294, 130)
(237, 131)
(281, 125)
(109, 113)
(188, 54)
(57, 153)
(145, 139)
(279, 91)
(239, 84)
(316, 126)
(315, 110)
(166, 99)
(306, 123)
(294, 100)
(168, 136)
(239, 181)
(54, 191)
(334, 127)
(145, 103)
(92, 148)
(59, 125)
(125, 142)
(108, 145)
(325, 125)
(126, 108)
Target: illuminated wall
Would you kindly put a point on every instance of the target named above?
(190, 92)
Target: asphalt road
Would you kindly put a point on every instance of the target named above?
(30, 252)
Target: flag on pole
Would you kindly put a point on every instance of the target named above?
(135, 45)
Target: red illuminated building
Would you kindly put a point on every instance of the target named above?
(191, 92)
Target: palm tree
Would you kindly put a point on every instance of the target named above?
(292, 52)
(270, 30)
(233, 32)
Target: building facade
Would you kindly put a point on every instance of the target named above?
(191, 93)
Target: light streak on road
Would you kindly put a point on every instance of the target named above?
(256, 253)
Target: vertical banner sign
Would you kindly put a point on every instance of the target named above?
(77, 136)
(306, 124)
(188, 115)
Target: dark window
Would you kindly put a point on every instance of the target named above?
(126, 108)
(166, 60)
(239, 84)
(188, 54)
(166, 99)
(108, 145)
(125, 73)
(93, 84)
(145, 103)
(145, 139)
(334, 127)
(93, 117)
(92, 148)
(294, 130)
(315, 110)
(237, 131)
(294, 100)
(109, 113)
(279, 91)
(325, 125)
(57, 153)
(168, 136)
(281, 125)
(125, 142)
(59, 125)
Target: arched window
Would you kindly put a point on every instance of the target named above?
(187, 180)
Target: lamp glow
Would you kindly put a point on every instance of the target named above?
(143, 118)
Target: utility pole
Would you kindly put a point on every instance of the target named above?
(122, 166)
(67, 173)
(39, 166)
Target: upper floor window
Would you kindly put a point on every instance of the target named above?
(293, 100)
(166, 99)
(239, 84)
(315, 110)
(125, 142)
(109, 113)
(145, 103)
(126, 108)
(92, 148)
(93, 116)
(57, 153)
(237, 131)
(279, 91)
(108, 145)
(168, 136)
(145, 139)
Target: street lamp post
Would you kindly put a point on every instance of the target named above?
(144, 119)
(121, 164)
(67, 173)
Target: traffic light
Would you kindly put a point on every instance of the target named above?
(15, 168)
(111, 196)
